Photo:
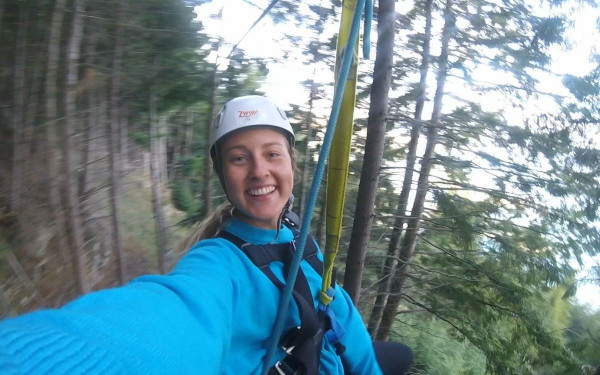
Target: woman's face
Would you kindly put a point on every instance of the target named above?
(258, 175)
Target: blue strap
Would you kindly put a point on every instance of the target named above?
(309, 207)
(335, 333)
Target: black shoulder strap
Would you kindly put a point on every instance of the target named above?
(263, 255)
(303, 345)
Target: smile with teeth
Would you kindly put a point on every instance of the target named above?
(262, 191)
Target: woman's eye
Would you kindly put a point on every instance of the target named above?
(273, 154)
(238, 159)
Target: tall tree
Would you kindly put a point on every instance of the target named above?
(115, 155)
(391, 261)
(306, 169)
(18, 112)
(2, 7)
(155, 173)
(69, 149)
(469, 248)
(53, 158)
(378, 110)
(410, 238)
(208, 171)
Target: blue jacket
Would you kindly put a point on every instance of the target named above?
(212, 315)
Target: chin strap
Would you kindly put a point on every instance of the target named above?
(290, 218)
(287, 216)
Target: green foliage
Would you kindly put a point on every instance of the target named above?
(242, 76)
(183, 198)
(190, 165)
(139, 226)
(583, 336)
(141, 138)
(437, 351)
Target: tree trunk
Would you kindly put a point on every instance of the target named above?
(29, 119)
(98, 144)
(2, 7)
(391, 261)
(114, 154)
(208, 169)
(24, 279)
(124, 132)
(154, 172)
(73, 214)
(189, 133)
(376, 126)
(409, 243)
(162, 149)
(322, 225)
(91, 122)
(19, 110)
(307, 155)
(175, 146)
(54, 175)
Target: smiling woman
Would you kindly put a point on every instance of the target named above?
(251, 147)
(258, 175)
(214, 313)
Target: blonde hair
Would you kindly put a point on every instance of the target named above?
(211, 226)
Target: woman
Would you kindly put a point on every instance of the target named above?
(215, 312)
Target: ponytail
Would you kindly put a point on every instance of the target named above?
(211, 226)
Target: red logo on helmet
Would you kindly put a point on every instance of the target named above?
(251, 113)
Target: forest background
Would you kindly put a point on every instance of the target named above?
(473, 195)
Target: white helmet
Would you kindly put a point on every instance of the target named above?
(248, 111)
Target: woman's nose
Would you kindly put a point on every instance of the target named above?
(259, 168)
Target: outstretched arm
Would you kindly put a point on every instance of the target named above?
(177, 324)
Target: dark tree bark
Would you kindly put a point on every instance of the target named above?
(163, 131)
(18, 111)
(155, 176)
(409, 243)
(124, 131)
(307, 154)
(54, 175)
(376, 126)
(29, 120)
(175, 146)
(2, 7)
(189, 133)
(115, 154)
(73, 208)
(208, 170)
(322, 225)
(91, 122)
(391, 261)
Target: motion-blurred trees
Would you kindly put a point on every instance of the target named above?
(86, 88)
(502, 213)
(486, 276)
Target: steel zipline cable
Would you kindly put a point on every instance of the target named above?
(264, 13)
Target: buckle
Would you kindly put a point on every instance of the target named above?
(288, 339)
(283, 368)
(278, 368)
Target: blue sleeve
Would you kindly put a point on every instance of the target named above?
(178, 323)
(359, 357)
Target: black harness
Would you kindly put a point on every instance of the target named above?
(302, 344)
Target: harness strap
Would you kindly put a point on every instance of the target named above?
(302, 344)
(263, 255)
